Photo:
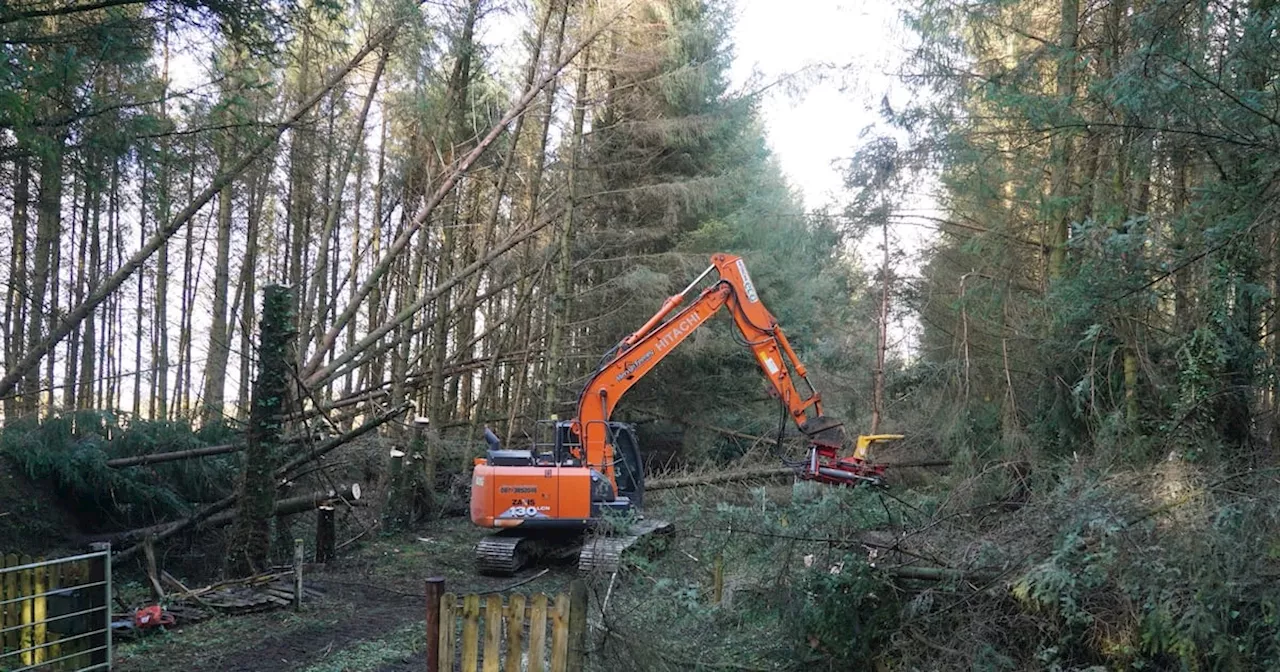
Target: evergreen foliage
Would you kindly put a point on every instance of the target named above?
(69, 453)
(1145, 320)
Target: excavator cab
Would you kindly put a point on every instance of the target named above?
(566, 449)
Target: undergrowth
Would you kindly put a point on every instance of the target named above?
(797, 591)
(1081, 565)
(70, 453)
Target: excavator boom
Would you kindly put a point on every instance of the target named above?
(640, 352)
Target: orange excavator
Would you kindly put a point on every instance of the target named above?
(545, 498)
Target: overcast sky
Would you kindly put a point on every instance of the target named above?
(812, 130)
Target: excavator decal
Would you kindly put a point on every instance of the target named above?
(747, 285)
(686, 324)
(630, 368)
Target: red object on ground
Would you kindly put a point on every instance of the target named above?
(151, 617)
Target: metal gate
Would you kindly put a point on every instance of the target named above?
(55, 614)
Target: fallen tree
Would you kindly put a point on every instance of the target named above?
(349, 495)
(173, 456)
(283, 473)
(759, 473)
(190, 453)
(721, 477)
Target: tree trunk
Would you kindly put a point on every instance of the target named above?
(79, 243)
(215, 379)
(16, 307)
(300, 194)
(877, 397)
(139, 302)
(258, 196)
(48, 230)
(560, 308)
(1060, 160)
(250, 546)
(88, 340)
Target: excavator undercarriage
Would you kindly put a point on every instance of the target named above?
(596, 550)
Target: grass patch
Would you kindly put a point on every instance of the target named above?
(399, 645)
(186, 646)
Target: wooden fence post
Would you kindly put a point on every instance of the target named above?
(493, 634)
(393, 509)
(325, 534)
(515, 632)
(40, 611)
(717, 585)
(27, 640)
(470, 632)
(538, 633)
(577, 626)
(297, 574)
(435, 590)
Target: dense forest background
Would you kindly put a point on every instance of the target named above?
(473, 199)
(460, 233)
(1107, 273)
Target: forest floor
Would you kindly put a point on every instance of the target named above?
(370, 618)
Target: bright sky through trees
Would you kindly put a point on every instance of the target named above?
(845, 54)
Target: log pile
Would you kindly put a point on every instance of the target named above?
(262, 592)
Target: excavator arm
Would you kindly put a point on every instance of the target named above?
(639, 352)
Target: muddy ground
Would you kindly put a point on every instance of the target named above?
(371, 617)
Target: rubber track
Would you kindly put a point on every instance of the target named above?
(499, 555)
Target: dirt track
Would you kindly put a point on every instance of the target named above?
(369, 619)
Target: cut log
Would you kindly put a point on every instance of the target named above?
(296, 505)
(284, 507)
(920, 573)
(326, 535)
(760, 473)
(190, 453)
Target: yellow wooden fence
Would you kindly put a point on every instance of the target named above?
(533, 633)
(52, 613)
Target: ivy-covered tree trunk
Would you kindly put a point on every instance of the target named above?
(250, 545)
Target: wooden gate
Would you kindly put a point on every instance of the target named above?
(515, 633)
(55, 614)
